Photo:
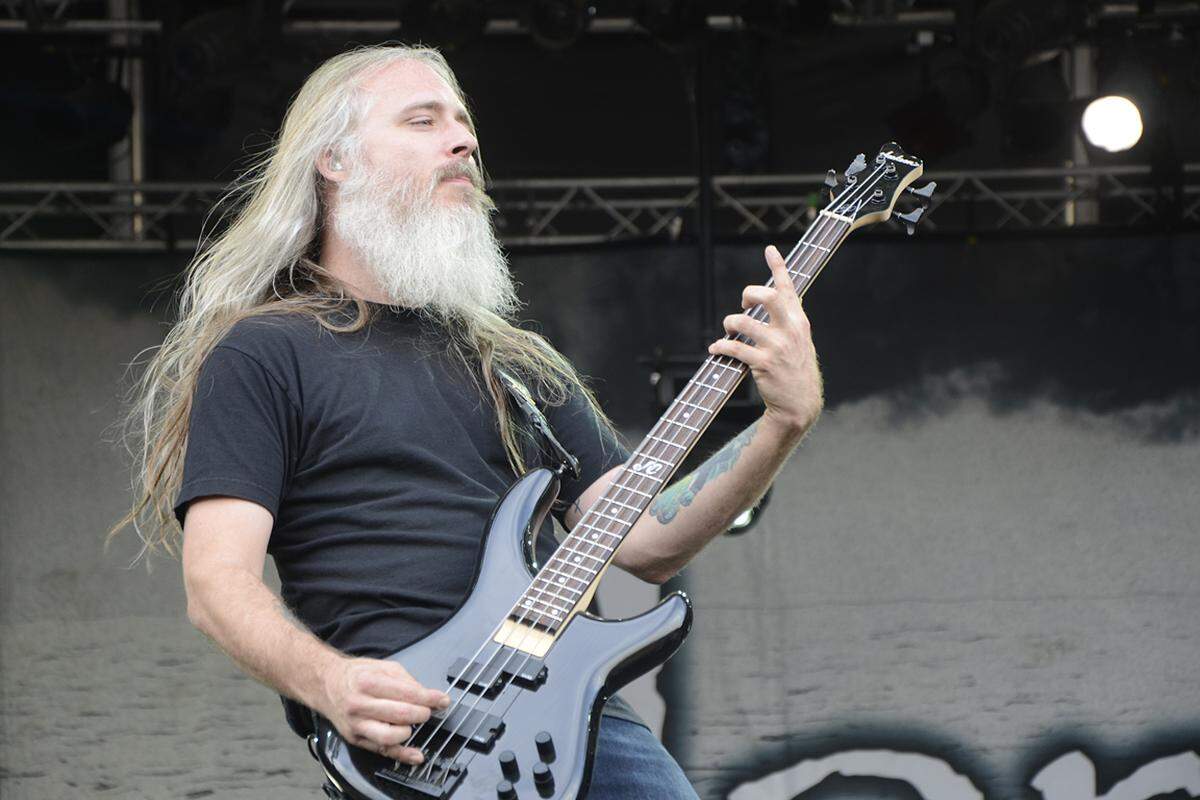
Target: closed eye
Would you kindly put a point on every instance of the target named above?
(422, 121)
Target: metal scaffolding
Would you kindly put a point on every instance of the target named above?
(591, 211)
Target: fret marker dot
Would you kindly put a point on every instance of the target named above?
(562, 579)
(578, 559)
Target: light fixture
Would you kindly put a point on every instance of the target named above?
(1112, 123)
(557, 24)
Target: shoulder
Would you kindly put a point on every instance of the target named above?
(275, 340)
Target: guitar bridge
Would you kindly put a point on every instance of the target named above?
(441, 783)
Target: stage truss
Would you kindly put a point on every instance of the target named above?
(596, 211)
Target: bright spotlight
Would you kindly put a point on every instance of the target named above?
(1112, 123)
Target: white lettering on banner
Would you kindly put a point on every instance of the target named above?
(1073, 777)
(931, 777)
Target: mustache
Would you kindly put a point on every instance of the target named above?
(460, 169)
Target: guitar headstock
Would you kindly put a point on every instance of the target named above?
(868, 192)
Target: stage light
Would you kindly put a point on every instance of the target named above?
(1112, 123)
(556, 24)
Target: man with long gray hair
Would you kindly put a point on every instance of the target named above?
(329, 395)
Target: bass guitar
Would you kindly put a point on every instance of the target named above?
(527, 669)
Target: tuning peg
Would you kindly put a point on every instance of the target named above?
(911, 219)
(857, 165)
(925, 193)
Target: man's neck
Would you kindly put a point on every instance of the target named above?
(345, 264)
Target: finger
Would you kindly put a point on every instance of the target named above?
(386, 740)
(755, 330)
(390, 686)
(395, 713)
(758, 296)
(430, 698)
(742, 352)
(785, 300)
(406, 755)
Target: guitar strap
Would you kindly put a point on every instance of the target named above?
(524, 400)
(299, 718)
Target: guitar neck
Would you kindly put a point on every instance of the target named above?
(568, 579)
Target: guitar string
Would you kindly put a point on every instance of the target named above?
(701, 393)
(861, 190)
(756, 312)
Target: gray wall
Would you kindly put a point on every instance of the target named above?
(981, 561)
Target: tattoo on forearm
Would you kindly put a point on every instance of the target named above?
(684, 491)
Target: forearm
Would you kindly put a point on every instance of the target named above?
(251, 624)
(702, 505)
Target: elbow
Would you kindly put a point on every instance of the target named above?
(657, 578)
(196, 613)
(656, 573)
(197, 609)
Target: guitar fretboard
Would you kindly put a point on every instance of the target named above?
(577, 564)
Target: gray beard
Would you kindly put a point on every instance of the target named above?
(441, 258)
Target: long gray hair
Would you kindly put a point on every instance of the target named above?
(265, 262)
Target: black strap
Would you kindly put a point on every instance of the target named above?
(524, 401)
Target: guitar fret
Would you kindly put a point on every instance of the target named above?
(578, 555)
(591, 541)
(648, 477)
(683, 425)
(724, 366)
(665, 441)
(815, 246)
(653, 458)
(714, 377)
(622, 505)
(681, 401)
(609, 516)
(569, 600)
(631, 489)
(598, 531)
(529, 602)
(564, 576)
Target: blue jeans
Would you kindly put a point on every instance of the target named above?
(632, 765)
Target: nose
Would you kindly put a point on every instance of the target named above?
(463, 144)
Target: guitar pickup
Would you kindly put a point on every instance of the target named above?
(479, 728)
(489, 680)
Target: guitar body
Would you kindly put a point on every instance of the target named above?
(590, 660)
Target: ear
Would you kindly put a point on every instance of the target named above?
(331, 166)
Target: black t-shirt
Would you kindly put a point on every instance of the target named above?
(380, 461)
